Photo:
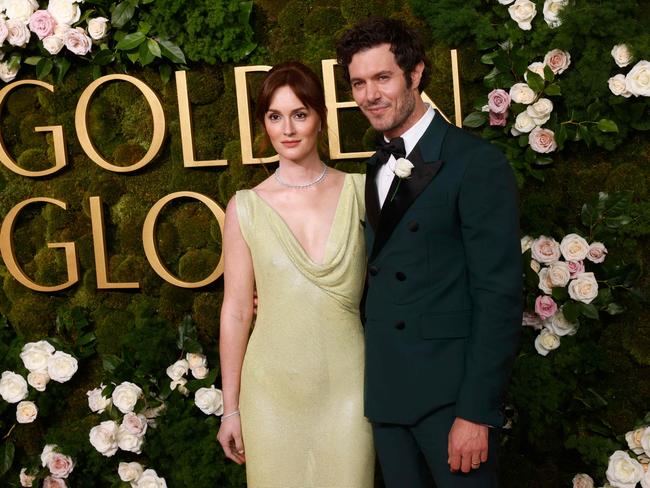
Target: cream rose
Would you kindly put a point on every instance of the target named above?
(134, 424)
(645, 481)
(48, 451)
(77, 41)
(61, 366)
(98, 28)
(4, 32)
(552, 10)
(403, 168)
(13, 387)
(523, 12)
(195, 360)
(557, 60)
(633, 439)
(42, 23)
(546, 341)
(38, 380)
(597, 252)
(53, 44)
(617, 86)
(622, 55)
(560, 326)
(522, 93)
(64, 11)
(545, 250)
(200, 372)
(574, 248)
(535, 266)
(129, 442)
(26, 412)
(179, 369)
(524, 123)
(209, 400)
(637, 81)
(526, 243)
(103, 437)
(17, 33)
(505, 2)
(559, 274)
(540, 111)
(96, 401)
(180, 384)
(150, 479)
(53, 482)
(60, 465)
(25, 478)
(583, 481)
(130, 472)
(623, 471)
(537, 67)
(20, 10)
(125, 396)
(583, 288)
(645, 440)
(544, 282)
(36, 354)
(542, 140)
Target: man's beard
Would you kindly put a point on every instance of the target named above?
(402, 113)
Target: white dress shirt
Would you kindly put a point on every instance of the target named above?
(386, 173)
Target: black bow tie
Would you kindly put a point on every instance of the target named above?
(395, 147)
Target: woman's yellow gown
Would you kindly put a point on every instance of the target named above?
(301, 396)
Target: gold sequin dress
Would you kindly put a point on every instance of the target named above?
(301, 396)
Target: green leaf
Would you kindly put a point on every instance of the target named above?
(544, 161)
(475, 119)
(583, 134)
(571, 310)
(606, 125)
(7, 452)
(614, 309)
(489, 57)
(122, 13)
(144, 27)
(589, 310)
(43, 68)
(172, 52)
(553, 90)
(165, 73)
(560, 136)
(104, 57)
(146, 56)
(535, 82)
(33, 60)
(131, 41)
(560, 294)
(154, 48)
(110, 362)
(133, 56)
(548, 74)
(62, 66)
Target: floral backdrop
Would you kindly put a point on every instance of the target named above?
(121, 388)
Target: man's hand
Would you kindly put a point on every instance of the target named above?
(467, 445)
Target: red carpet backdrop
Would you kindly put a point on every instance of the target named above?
(125, 130)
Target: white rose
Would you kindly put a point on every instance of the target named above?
(597, 252)
(130, 472)
(53, 482)
(38, 380)
(134, 424)
(544, 281)
(526, 243)
(557, 60)
(77, 41)
(150, 479)
(103, 437)
(545, 250)
(17, 33)
(645, 441)
(13, 387)
(505, 2)
(546, 341)
(180, 384)
(523, 12)
(48, 451)
(64, 11)
(200, 372)
(542, 140)
(584, 288)
(537, 67)
(403, 168)
(125, 396)
(209, 400)
(560, 326)
(129, 442)
(524, 123)
(521, 93)
(559, 274)
(61, 366)
(574, 247)
(637, 80)
(617, 86)
(551, 12)
(60, 465)
(633, 439)
(194, 360)
(540, 111)
(645, 481)
(20, 10)
(623, 471)
(96, 401)
(98, 28)
(177, 370)
(622, 55)
(4, 32)
(53, 44)
(26, 412)
(583, 481)
(36, 354)
(25, 478)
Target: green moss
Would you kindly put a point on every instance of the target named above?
(127, 268)
(33, 315)
(205, 311)
(35, 159)
(49, 270)
(197, 264)
(174, 302)
(204, 86)
(23, 100)
(112, 325)
(192, 222)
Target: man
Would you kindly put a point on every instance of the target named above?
(443, 305)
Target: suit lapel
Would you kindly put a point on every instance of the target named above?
(371, 196)
(403, 192)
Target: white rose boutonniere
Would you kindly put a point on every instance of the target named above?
(402, 170)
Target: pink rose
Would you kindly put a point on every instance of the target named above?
(498, 119)
(597, 252)
(545, 250)
(532, 320)
(60, 465)
(52, 482)
(545, 306)
(498, 101)
(42, 23)
(4, 31)
(134, 424)
(77, 41)
(576, 267)
(542, 140)
(557, 60)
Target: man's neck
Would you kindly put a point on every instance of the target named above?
(418, 111)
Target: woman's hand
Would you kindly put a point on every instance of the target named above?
(230, 438)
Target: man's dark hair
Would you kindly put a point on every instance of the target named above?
(405, 44)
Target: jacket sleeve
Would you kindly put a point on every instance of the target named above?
(487, 204)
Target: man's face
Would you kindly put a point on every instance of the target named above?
(379, 88)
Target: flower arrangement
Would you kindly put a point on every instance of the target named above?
(637, 80)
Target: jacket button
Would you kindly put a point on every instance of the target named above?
(400, 276)
(373, 270)
(400, 325)
(413, 226)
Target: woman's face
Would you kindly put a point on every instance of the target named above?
(292, 127)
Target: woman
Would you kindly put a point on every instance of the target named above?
(296, 238)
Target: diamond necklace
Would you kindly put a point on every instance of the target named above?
(303, 186)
